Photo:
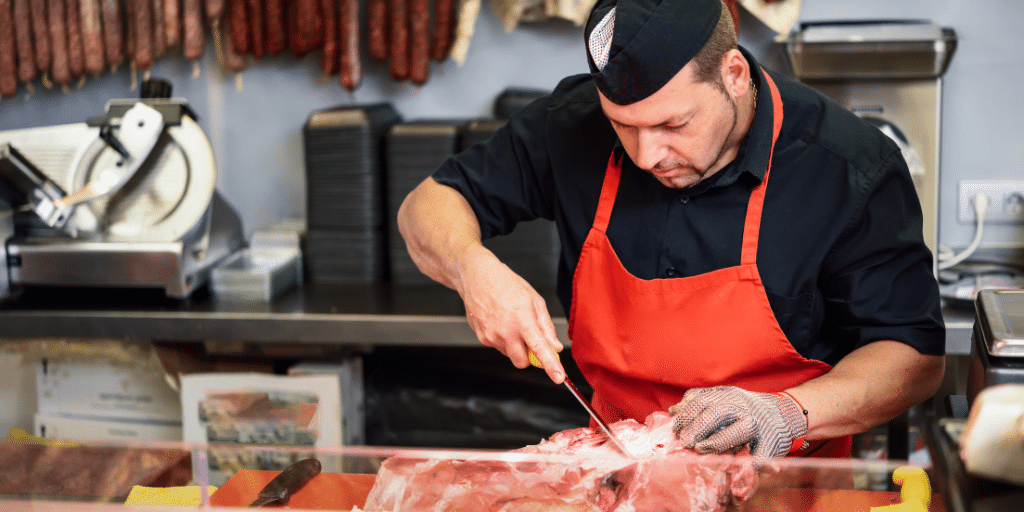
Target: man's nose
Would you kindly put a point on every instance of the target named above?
(649, 148)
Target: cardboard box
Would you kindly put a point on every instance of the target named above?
(105, 389)
(353, 395)
(70, 428)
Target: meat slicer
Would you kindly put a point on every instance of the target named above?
(125, 200)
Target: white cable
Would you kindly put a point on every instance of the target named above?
(980, 206)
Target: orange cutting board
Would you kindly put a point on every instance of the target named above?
(326, 491)
(827, 500)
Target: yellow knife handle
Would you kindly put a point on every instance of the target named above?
(536, 362)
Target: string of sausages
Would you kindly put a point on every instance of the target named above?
(65, 41)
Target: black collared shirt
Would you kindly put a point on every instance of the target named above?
(841, 251)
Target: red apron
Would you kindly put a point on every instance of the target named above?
(641, 344)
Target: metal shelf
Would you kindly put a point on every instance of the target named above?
(335, 314)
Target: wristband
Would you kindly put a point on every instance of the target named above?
(798, 443)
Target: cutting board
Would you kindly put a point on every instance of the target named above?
(326, 491)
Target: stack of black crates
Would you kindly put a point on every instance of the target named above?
(345, 193)
(361, 162)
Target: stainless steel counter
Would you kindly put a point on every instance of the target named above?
(425, 315)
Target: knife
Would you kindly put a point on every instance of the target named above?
(281, 488)
(586, 405)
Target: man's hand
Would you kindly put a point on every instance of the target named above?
(724, 418)
(508, 314)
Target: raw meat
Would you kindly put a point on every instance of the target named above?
(577, 470)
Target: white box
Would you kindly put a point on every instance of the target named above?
(300, 412)
(353, 395)
(70, 428)
(105, 389)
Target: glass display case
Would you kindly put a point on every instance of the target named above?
(165, 476)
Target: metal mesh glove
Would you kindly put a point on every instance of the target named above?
(724, 418)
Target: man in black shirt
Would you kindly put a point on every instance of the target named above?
(736, 248)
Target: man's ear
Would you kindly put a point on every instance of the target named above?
(735, 73)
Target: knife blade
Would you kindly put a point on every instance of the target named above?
(279, 490)
(586, 405)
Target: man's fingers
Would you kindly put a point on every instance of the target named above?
(547, 327)
(708, 422)
(729, 438)
(542, 350)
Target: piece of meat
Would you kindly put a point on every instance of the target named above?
(23, 37)
(60, 71)
(419, 41)
(172, 23)
(214, 10)
(377, 29)
(142, 30)
(8, 55)
(193, 34)
(277, 31)
(76, 58)
(576, 469)
(329, 59)
(351, 69)
(233, 61)
(40, 35)
(113, 35)
(257, 42)
(238, 20)
(305, 27)
(159, 35)
(92, 36)
(444, 29)
(398, 42)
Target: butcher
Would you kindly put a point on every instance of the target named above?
(736, 248)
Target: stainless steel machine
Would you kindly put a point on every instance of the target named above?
(124, 200)
(997, 343)
(890, 73)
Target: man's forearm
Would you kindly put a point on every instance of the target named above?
(872, 385)
(438, 226)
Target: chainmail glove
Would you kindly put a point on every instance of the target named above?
(723, 419)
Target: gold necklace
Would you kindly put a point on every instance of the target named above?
(754, 87)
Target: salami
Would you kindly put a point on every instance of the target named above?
(239, 25)
(351, 68)
(59, 69)
(157, 35)
(377, 29)
(214, 12)
(419, 36)
(233, 61)
(142, 20)
(193, 42)
(305, 27)
(92, 36)
(40, 35)
(257, 45)
(172, 23)
(23, 39)
(444, 29)
(113, 35)
(76, 59)
(329, 60)
(398, 43)
(277, 32)
(8, 55)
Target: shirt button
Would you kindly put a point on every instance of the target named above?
(671, 272)
(684, 199)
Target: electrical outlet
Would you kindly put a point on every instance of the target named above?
(1005, 200)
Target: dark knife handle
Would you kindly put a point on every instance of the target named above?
(293, 478)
